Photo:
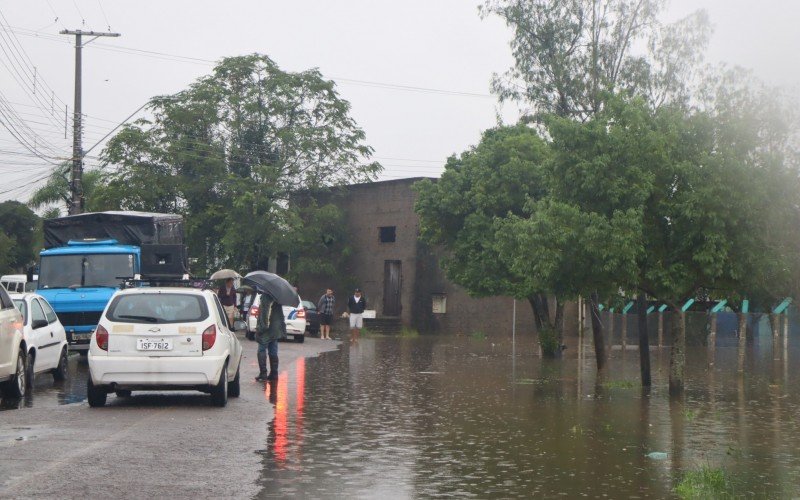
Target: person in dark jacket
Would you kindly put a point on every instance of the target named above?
(355, 307)
(227, 297)
(270, 326)
(325, 308)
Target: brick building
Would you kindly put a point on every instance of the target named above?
(401, 276)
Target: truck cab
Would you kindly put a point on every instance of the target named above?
(79, 279)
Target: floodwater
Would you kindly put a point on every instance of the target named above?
(462, 417)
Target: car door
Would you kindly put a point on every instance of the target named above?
(57, 329)
(42, 337)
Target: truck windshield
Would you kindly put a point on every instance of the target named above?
(64, 271)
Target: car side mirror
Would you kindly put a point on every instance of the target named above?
(39, 323)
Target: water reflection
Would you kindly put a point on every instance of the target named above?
(454, 416)
(47, 393)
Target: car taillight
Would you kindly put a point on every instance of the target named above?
(301, 313)
(254, 311)
(209, 337)
(101, 336)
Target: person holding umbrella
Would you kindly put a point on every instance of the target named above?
(227, 297)
(270, 324)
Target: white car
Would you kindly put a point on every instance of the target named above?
(45, 338)
(13, 363)
(13, 283)
(295, 318)
(168, 338)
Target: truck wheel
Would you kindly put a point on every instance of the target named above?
(96, 395)
(300, 338)
(219, 392)
(234, 388)
(17, 386)
(60, 372)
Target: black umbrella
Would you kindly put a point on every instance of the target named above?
(274, 285)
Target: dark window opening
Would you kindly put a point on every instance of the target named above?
(388, 234)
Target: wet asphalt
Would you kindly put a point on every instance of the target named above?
(157, 445)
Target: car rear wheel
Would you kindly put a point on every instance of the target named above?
(60, 372)
(96, 395)
(219, 392)
(300, 338)
(17, 386)
(234, 387)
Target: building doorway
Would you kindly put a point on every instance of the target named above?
(392, 279)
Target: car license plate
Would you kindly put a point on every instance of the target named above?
(153, 345)
(81, 336)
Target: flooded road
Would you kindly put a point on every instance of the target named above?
(456, 416)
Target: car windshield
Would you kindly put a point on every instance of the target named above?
(23, 308)
(64, 271)
(158, 308)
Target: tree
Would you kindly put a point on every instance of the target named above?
(231, 151)
(461, 213)
(21, 236)
(56, 191)
(570, 54)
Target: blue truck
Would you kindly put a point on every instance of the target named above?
(87, 256)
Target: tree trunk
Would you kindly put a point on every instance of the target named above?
(711, 344)
(677, 358)
(624, 333)
(560, 322)
(597, 333)
(537, 317)
(775, 322)
(541, 310)
(611, 329)
(660, 329)
(742, 338)
(644, 341)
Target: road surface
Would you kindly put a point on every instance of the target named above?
(156, 445)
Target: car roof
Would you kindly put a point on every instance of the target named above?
(25, 295)
(161, 289)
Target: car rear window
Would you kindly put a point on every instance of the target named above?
(157, 308)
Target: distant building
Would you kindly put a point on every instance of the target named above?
(401, 276)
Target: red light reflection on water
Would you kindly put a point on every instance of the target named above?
(278, 394)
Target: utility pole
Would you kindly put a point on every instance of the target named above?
(76, 184)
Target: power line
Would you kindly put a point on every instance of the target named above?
(198, 60)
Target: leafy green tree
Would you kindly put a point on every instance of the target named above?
(460, 213)
(231, 151)
(570, 54)
(20, 237)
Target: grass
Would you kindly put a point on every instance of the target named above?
(689, 414)
(619, 384)
(478, 335)
(705, 482)
(408, 332)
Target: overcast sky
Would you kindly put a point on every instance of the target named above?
(441, 48)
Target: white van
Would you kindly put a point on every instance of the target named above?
(14, 283)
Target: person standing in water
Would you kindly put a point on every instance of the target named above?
(325, 307)
(355, 307)
(270, 326)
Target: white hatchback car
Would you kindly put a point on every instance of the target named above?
(163, 339)
(295, 318)
(44, 335)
